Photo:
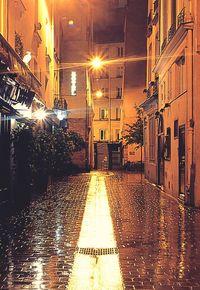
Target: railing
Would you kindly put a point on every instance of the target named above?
(164, 44)
(155, 87)
(171, 32)
(149, 24)
(60, 103)
(155, 12)
(181, 17)
(155, 5)
(17, 67)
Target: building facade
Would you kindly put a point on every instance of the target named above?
(135, 68)
(173, 62)
(107, 87)
(28, 61)
(76, 46)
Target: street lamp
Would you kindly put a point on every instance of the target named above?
(99, 94)
(40, 114)
(97, 63)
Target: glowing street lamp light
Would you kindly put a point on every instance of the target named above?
(40, 115)
(99, 94)
(96, 62)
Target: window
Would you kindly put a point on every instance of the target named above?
(176, 129)
(117, 113)
(119, 93)
(180, 75)
(120, 51)
(119, 71)
(103, 74)
(152, 139)
(105, 52)
(150, 63)
(170, 84)
(102, 134)
(73, 83)
(103, 114)
(117, 134)
(167, 147)
(157, 47)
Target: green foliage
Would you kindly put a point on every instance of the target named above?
(38, 153)
(134, 132)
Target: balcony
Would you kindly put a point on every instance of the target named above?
(181, 17)
(155, 13)
(173, 29)
(171, 32)
(164, 44)
(152, 90)
(17, 69)
(18, 85)
(149, 24)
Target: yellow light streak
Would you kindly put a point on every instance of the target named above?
(96, 272)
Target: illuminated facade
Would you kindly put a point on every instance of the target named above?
(29, 58)
(107, 87)
(76, 41)
(172, 106)
(135, 69)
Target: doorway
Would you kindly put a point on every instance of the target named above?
(160, 151)
(161, 160)
(182, 162)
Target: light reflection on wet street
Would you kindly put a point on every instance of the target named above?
(96, 271)
(157, 238)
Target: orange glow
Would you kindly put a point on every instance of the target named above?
(71, 22)
(99, 94)
(96, 62)
(100, 271)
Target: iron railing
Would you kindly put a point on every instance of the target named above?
(171, 31)
(181, 17)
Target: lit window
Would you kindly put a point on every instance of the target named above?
(71, 22)
(103, 114)
(73, 83)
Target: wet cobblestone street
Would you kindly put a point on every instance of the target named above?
(157, 238)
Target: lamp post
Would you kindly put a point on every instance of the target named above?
(97, 63)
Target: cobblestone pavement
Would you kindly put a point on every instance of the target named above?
(37, 246)
(158, 239)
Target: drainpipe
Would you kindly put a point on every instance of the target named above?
(190, 200)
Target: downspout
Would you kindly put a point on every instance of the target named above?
(190, 200)
(192, 169)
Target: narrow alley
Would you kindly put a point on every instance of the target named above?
(101, 230)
